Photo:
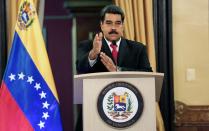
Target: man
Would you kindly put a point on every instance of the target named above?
(109, 51)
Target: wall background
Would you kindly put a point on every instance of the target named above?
(191, 51)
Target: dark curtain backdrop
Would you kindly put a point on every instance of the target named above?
(164, 56)
(3, 49)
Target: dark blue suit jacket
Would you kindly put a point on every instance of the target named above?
(132, 57)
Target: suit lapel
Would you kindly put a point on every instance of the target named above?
(122, 51)
(106, 49)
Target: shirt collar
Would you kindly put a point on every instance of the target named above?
(109, 42)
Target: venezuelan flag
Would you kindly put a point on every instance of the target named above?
(28, 97)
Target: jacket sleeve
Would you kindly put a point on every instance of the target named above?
(82, 63)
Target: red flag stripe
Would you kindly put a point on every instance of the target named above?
(11, 116)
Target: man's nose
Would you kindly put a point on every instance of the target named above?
(113, 26)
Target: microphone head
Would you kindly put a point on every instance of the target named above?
(114, 42)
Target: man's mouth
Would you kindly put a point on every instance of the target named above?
(113, 32)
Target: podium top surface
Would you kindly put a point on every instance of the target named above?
(123, 74)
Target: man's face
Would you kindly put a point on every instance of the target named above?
(112, 26)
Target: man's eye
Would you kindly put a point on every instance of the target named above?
(118, 23)
(108, 23)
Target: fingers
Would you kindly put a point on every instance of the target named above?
(107, 61)
(104, 58)
(98, 41)
(97, 45)
(98, 37)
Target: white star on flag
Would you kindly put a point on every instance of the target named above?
(45, 115)
(37, 86)
(12, 77)
(45, 105)
(30, 79)
(41, 124)
(42, 94)
(21, 76)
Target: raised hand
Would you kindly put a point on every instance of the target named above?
(97, 45)
(108, 63)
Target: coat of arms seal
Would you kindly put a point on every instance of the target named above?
(25, 15)
(120, 104)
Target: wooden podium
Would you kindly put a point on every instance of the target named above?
(88, 87)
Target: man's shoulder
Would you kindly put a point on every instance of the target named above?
(133, 43)
(85, 44)
(85, 41)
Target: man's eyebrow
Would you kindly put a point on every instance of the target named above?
(112, 21)
(118, 21)
(108, 20)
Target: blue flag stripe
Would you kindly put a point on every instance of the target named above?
(30, 90)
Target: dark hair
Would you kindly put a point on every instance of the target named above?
(112, 9)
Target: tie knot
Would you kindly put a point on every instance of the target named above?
(113, 46)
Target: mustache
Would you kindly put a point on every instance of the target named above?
(113, 32)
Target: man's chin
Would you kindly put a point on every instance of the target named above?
(113, 38)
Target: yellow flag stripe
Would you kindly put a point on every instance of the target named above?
(33, 41)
